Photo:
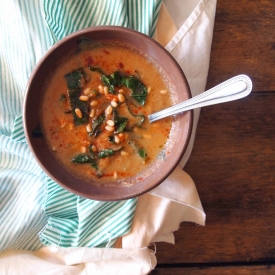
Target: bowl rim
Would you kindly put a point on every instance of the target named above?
(77, 34)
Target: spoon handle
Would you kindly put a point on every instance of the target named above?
(234, 88)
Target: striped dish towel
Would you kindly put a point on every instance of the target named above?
(35, 211)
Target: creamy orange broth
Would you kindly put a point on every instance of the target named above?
(67, 140)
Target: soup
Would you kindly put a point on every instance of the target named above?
(94, 114)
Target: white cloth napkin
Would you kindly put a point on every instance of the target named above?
(190, 26)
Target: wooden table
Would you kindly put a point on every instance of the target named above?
(233, 160)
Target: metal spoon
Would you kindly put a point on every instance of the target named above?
(232, 89)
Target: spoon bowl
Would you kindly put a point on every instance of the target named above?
(232, 89)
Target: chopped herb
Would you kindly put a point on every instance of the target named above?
(99, 173)
(105, 153)
(111, 81)
(94, 165)
(120, 124)
(75, 103)
(74, 79)
(123, 117)
(141, 152)
(88, 158)
(74, 83)
(96, 123)
(139, 91)
(133, 120)
(81, 158)
(94, 69)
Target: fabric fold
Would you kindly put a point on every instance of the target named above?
(194, 36)
(159, 213)
(74, 221)
(37, 26)
(78, 261)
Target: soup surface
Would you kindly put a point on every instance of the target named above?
(94, 114)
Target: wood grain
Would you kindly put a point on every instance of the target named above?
(244, 43)
(233, 160)
(233, 166)
(224, 270)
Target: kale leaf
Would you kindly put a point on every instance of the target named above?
(139, 91)
(74, 83)
(111, 81)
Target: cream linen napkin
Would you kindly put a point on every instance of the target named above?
(190, 45)
(80, 261)
(188, 26)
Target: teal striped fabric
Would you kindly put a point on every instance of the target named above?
(64, 17)
(71, 218)
(35, 211)
(21, 196)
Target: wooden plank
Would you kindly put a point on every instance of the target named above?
(233, 166)
(224, 270)
(244, 43)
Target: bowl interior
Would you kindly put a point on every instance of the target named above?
(34, 95)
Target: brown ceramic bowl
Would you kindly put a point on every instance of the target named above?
(159, 170)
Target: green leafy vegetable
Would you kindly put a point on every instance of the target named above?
(120, 124)
(75, 80)
(141, 152)
(111, 81)
(88, 158)
(139, 91)
(94, 165)
(99, 173)
(132, 120)
(96, 123)
(95, 69)
(105, 153)
(75, 102)
(122, 116)
(81, 158)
